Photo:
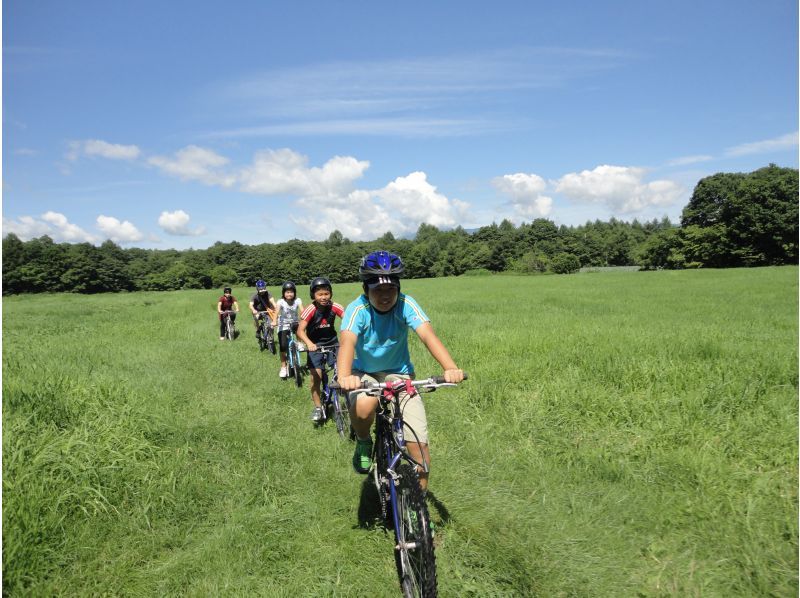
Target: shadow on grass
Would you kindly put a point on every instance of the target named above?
(439, 506)
(369, 506)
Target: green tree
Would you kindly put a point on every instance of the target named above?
(565, 263)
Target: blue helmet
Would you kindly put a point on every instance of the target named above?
(261, 285)
(380, 263)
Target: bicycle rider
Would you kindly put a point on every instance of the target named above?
(316, 330)
(226, 303)
(289, 309)
(374, 348)
(262, 301)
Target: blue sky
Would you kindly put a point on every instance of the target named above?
(182, 123)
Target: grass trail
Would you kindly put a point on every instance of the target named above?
(620, 434)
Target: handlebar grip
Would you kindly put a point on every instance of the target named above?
(441, 380)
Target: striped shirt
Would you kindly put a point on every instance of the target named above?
(382, 339)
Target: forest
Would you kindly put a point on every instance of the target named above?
(731, 220)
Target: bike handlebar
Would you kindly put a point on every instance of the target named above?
(433, 381)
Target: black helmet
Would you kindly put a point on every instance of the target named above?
(227, 290)
(380, 263)
(320, 281)
(288, 286)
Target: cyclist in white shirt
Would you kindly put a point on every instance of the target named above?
(289, 308)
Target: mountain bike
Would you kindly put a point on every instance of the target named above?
(394, 473)
(334, 405)
(266, 332)
(293, 363)
(230, 327)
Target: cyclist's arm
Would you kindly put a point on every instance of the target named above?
(344, 361)
(219, 307)
(253, 309)
(273, 313)
(236, 306)
(301, 334)
(439, 352)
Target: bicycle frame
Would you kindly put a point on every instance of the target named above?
(230, 327)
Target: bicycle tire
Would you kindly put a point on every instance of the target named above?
(270, 340)
(229, 329)
(298, 374)
(414, 556)
(341, 414)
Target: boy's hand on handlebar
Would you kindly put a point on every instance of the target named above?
(349, 382)
(454, 376)
(311, 347)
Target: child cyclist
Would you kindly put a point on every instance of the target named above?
(289, 309)
(374, 348)
(316, 330)
(226, 303)
(262, 301)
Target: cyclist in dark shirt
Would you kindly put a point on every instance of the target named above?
(262, 301)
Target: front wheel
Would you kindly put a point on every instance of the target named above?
(270, 340)
(414, 556)
(298, 374)
(341, 414)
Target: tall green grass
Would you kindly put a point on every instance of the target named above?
(620, 434)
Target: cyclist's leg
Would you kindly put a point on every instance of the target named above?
(283, 343)
(415, 430)
(362, 410)
(222, 327)
(316, 383)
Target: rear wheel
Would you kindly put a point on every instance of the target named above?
(416, 563)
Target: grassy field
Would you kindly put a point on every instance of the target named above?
(621, 434)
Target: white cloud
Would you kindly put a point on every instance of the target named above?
(195, 163)
(777, 144)
(103, 149)
(405, 97)
(527, 194)
(417, 201)
(620, 188)
(356, 215)
(177, 223)
(684, 160)
(52, 224)
(285, 171)
(399, 207)
(119, 232)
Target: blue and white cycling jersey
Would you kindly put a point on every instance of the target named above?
(382, 339)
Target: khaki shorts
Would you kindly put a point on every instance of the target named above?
(415, 424)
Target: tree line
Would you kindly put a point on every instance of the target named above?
(731, 220)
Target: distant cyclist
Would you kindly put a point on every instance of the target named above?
(289, 309)
(374, 348)
(262, 301)
(226, 303)
(316, 330)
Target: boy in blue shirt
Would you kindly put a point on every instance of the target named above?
(373, 347)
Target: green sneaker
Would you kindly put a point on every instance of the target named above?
(362, 457)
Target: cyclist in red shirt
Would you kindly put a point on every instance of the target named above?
(316, 330)
(226, 303)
